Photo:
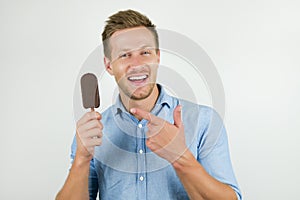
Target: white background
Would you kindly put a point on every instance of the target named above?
(254, 45)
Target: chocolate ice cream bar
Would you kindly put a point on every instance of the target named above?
(90, 91)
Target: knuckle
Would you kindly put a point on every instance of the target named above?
(99, 133)
(100, 125)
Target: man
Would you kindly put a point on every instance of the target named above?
(148, 145)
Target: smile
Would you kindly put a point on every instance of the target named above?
(138, 78)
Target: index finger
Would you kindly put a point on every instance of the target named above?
(88, 117)
(145, 115)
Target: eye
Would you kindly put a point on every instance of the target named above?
(146, 52)
(125, 55)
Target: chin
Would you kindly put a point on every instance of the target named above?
(139, 96)
(142, 93)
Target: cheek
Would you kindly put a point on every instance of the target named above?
(117, 75)
(154, 60)
(119, 71)
(117, 67)
(151, 59)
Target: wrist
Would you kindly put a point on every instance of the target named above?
(81, 161)
(186, 161)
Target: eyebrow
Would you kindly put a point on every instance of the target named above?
(139, 48)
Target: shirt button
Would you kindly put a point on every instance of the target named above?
(140, 125)
(141, 151)
(141, 178)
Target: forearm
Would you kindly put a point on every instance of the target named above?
(198, 183)
(76, 185)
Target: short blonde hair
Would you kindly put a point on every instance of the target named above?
(123, 20)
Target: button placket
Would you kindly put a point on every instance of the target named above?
(141, 178)
(140, 150)
(140, 125)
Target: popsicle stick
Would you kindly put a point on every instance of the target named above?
(92, 109)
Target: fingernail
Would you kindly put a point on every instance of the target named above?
(179, 109)
(133, 110)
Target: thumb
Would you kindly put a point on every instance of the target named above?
(177, 116)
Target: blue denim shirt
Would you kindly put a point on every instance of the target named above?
(124, 168)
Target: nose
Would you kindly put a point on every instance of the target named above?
(135, 60)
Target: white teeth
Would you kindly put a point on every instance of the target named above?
(137, 78)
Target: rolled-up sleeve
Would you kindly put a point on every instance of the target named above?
(213, 152)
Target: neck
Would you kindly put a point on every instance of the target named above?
(146, 104)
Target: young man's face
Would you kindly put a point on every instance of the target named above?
(134, 61)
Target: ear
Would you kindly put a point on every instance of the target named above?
(107, 64)
(158, 56)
